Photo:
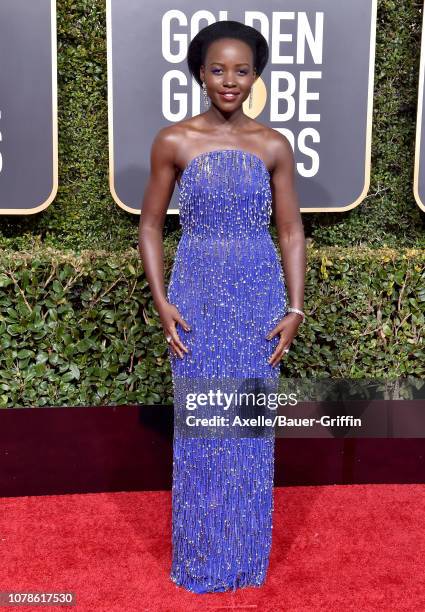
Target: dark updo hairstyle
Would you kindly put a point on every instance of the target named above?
(226, 29)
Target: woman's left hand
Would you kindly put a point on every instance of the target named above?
(287, 328)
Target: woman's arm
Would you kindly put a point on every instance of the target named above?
(292, 243)
(156, 199)
(289, 224)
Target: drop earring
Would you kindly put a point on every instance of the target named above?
(204, 91)
(250, 98)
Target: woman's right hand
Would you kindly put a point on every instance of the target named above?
(169, 316)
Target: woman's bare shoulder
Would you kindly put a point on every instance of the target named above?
(177, 133)
(266, 134)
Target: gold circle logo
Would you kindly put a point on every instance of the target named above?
(259, 98)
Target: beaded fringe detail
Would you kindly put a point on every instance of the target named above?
(228, 283)
(222, 508)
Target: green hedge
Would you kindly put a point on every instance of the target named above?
(82, 330)
(80, 217)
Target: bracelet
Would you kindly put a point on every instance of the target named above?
(298, 311)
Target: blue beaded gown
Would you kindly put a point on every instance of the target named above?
(228, 284)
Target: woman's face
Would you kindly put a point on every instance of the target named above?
(228, 72)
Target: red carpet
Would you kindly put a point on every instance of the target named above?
(357, 547)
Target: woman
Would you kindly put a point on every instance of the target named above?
(226, 314)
